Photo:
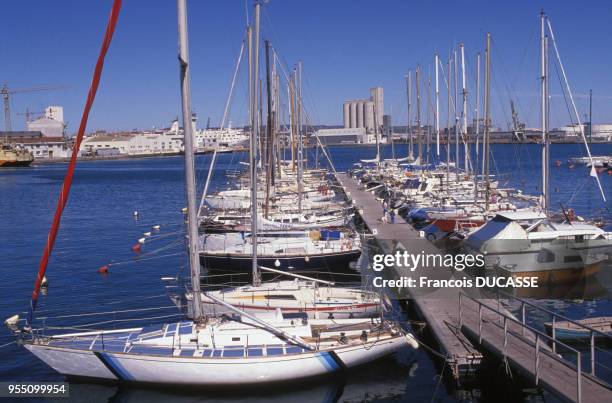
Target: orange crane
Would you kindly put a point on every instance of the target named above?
(6, 92)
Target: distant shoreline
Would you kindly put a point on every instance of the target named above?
(128, 157)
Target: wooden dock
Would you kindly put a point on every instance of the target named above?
(438, 308)
(466, 324)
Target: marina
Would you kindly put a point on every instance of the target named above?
(433, 254)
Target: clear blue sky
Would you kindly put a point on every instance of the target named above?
(346, 46)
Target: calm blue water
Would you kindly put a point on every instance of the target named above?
(98, 228)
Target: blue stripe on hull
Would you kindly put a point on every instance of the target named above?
(114, 366)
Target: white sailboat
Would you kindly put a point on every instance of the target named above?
(241, 349)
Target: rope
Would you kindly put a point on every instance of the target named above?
(8, 344)
(65, 190)
(104, 313)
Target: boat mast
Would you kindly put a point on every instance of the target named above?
(270, 133)
(428, 108)
(300, 134)
(409, 96)
(466, 145)
(418, 96)
(448, 119)
(544, 89)
(475, 166)
(253, 66)
(436, 61)
(192, 214)
(487, 122)
(456, 83)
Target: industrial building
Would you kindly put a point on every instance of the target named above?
(351, 135)
(365, 113)
(51, 124)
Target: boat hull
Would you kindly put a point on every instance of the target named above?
(211, 372)
(243, 263)
(15, 163)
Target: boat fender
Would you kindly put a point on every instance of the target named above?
(411, 340)
(12, 321)
(307, 259)
(156, 227)
(141, 240)
(147, 234)
(135, 213)
(103, 269)
(44, 283)
(277, 263)
(184, 210)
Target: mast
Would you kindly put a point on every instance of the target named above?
(590, 116)
(409, 96)
(292, 124)
(300, 134)
(436, 61)
(456, 82)
(428, 107)
(466, 145)
(253, 70)
(475, 166)
(192, 214)
(256, 81)
(418, 95)
(270, 133)
(448, 118)
(544, 89)
(487, 117)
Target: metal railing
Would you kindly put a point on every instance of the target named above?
(602, 336)
(539, 335)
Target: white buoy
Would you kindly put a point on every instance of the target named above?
(44, 282)
(411, 341)
(135, 213)
(156, 227)
(147, 234)
(141, 240)
(277, 263)
(12, 321)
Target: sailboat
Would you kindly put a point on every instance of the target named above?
(238, 349)
(527, 242)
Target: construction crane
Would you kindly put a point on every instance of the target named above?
(28, 115)
(6, 92)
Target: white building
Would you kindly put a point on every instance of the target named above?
(365, 113)
(51, 125)
(133, 144)
(355, 135)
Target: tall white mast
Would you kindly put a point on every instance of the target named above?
(300, 134)
(409, 96)
(253, 63)
(477, 113)
(418, 97)
(436, 61)
(456, 74)
(466, 144)
(190, 187)
(448, 118)
(487, 121)
(544, 90)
